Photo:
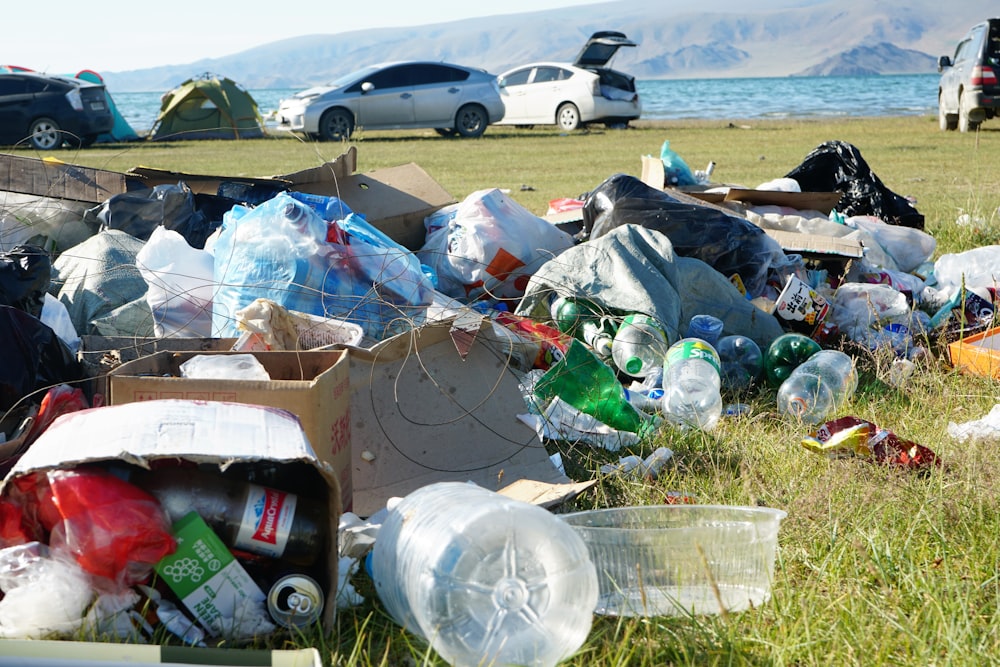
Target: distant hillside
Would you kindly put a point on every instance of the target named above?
(881, 58)
(714, 38)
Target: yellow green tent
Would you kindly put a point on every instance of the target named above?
(208, 107)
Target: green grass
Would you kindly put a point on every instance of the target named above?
(876, 566)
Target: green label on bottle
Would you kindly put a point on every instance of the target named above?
(692, 348)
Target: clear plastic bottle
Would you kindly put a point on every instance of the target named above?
(741, 362)
(691, 384)
(818, 386)
(584, 321)
(639, 346)
(486, 579)
(258, 519)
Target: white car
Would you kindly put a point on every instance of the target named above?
(551, 93)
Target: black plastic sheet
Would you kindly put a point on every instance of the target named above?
(838, 165)
(729, 244)
(25, 272)
(32, 357)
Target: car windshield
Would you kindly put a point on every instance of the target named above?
(348, 79)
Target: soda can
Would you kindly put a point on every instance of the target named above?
(295, 601)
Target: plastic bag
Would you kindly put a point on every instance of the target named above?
(729, 244)
(860, 310)
(113, 529)
(908, 247)
(140, 212)
(25, 273)
(285, 252)
(32, 357)
(675, 169)
(44, 594)
(979, 267)
(489, 245)
(180, 285)
(838, 165)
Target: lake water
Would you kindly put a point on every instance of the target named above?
(749, 98)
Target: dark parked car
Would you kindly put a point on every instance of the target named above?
(969, 92)
(48, 111)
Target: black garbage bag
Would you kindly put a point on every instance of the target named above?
(32, 357)
(838, 165)
(139, 212)
(25, 273)
(728, 243)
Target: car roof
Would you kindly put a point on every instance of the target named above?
(68, 80)
(547, 63)
(601, 48)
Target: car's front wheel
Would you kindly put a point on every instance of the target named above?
(471, 121)
(336, 125)
(44, 134)
(568, 117)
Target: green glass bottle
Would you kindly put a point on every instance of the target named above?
(784, 355)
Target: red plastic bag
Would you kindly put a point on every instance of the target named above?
(112, 528)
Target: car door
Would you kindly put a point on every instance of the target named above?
(514, 92)
(545, 92)
(954, 77)
(438, 92)
(15, 106)
(388, 101)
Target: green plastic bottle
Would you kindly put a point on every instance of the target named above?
(592, 387)
(784, 355)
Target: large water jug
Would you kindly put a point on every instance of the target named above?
(486, 579)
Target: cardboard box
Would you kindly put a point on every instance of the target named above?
(423, 413)
(978, 354)
(231, 436)
(394, 199)
(313, 385)
(51, 653)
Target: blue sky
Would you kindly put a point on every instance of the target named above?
(64, 36)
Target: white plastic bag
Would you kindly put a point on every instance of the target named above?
(979, 267)
(860, 310)
(907, 246)
(180, 285)
(489, 245)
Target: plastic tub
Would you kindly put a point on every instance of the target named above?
(673, 560)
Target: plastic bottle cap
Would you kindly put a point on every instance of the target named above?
(633, 365)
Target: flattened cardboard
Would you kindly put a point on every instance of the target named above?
(545, 495)
(817, 245)
(978, 354)
(199, 431)
(314, 385)
(51, 653)
(420, 413)
(653, 175)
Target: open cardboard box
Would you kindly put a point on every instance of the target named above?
(393, 199)
(313, 385)
(978, 354)
(233, 437)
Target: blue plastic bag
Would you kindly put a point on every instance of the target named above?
(675, 170)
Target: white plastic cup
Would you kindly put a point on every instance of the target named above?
(484, 578)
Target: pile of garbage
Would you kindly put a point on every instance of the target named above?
(660, 306)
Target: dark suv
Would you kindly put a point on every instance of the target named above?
(968, 92)
(48, 111)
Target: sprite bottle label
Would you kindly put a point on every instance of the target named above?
(692, 348)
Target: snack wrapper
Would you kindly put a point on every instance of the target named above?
(853, 436)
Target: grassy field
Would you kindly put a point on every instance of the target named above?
(876, 566)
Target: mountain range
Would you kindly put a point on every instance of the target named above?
(712, 39)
